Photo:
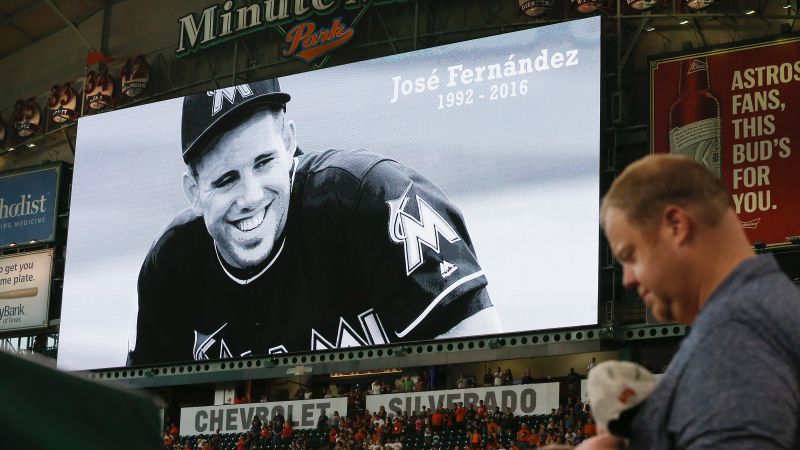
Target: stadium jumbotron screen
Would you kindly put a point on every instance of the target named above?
(446, 192)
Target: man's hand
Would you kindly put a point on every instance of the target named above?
(601, 442)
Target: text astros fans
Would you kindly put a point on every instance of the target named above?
(284, 251)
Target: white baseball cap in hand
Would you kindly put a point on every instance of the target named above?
(617, 387)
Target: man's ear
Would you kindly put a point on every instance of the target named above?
(678, 223)
(290, 138)
(192, 192)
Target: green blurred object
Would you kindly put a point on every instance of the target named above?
(43, 408)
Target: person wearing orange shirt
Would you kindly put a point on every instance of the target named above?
(332, 436)
(523, 435)
(436, 419)
(475, 439)
(360, 436)
(377, 436)
(287, 431)
(397, 427)
(491, 428)
(589, 429)
(534, 440)
(461, 415)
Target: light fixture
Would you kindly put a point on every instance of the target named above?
(699, 4)
(750, 12)
(362, 373)
(787, 6)
(535, 8)
(649, 29)
(794, 240)
(12, 245)
(32, 242)
(587, 6)
(684, 22)
(11, 149)
(641, 5)
(30, 145)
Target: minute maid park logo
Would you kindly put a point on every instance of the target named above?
(305, 41)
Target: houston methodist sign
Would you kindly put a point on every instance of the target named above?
(306, 40)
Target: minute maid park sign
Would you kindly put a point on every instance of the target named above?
(305, 40)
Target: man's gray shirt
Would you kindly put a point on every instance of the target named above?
(733, 383)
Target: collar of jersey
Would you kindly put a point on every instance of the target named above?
(244, 281)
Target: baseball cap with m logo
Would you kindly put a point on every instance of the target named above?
(209, 113)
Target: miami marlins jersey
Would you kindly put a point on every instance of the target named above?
(372, 253)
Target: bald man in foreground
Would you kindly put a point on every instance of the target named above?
(733, 384)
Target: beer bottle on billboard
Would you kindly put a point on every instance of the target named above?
(694, 120)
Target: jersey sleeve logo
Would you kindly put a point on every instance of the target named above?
(412, 233)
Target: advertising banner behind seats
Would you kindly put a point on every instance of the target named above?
(25, 290)
(28, 202)
(523, 399)
(735, 109)
(237, 418)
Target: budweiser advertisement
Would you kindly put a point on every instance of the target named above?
(734, 108)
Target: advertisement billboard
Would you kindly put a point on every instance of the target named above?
(236, 418)
(446, 192)
(522, 399)
(28, 202)
(25, 290)
(734, 109)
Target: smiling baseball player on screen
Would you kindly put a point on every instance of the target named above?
(285, 251)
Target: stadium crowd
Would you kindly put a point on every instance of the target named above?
(448, 427)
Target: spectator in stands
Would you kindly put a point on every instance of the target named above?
(408, 384)
(460, 415)
(508, 379)
(482, 410)
(488, 377)
(436, 440)
(287, 430)
(589, 428)
(579, 437)
(523, 435)
(255, 426)
(498, 377)
(241, 442)
(322, 422)
(573, 382)
(299, 394)
(462, 382)
(475, 439)
(335, 420)
(527, 378)
(591, 365)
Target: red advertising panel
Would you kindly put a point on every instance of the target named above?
(735, 109)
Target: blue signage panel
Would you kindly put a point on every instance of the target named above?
(28, 206)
